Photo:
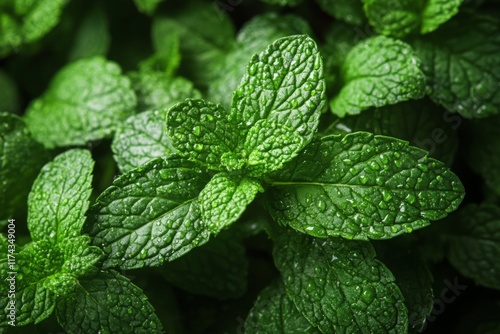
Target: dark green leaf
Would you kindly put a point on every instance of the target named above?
(350, 11)
(362, 186)
(85, 101)
(101, 303)
(339, 286)
(60, 197)
(9, 96)
(147, 6)
(150, 214)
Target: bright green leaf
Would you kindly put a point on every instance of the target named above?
(400, 18)
(224, 199)
(85, 101)
(283, 84)
(362, 186)
(376, 72)
(140, 139)
(20, 154)
(338, 285)
(274, 313)
(101, 303)
(147, 6)
(150, 214)
(462, 65)
(350, 11)
(269, 146)
(475, 244)
(79, 256)
(60, 197)
(202, 131)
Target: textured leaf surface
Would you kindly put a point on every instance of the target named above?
(283, 84)
(422, 123)
(400, 18)
(84, 102)
(361, 186)
(157, 90)
(20, 154)
(475, 244)
(224, 199)
(462, 65)
(274, 312)
(217, 269)
(269, 146)
(150, 214)
(339, 286)
(253, 38)
(60, 197)
(202, 131)
(101, 303)
(378, 71)
(350, 11)
(140, 139)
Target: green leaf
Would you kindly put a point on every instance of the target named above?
(150, 214)
(23, 22)
(60, 197)
(482, 150)
(79, 256)
(202, 132)
(400, 18)
(225, 198)
(92, 38)
(338, 285)
(167, 60)
(475, 244)
(205, 36)
(147, 6)
(101, 303)
(254, 36)
(461, 64)
(422, 123)
(140, 139)
(270, 145)
(20, 154)
(362, 186)
(84, 102)
(217, 269)
(9, 96)
(157, 90)
(378, 71)
(283, 2)
(273, 312)
(350, 11)
(283, 84)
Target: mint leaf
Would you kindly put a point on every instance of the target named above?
(101, 303)
(253, 37)
(362, 186)
(9, 96)
(20, 154)
(92, 37)
(84, 102)
(350, 11)
(23, 22)
(270, 145)
(217, 269)
(406, 17)
(79, 256)
(225, 198)
(150, 214)
(202, 132)
(378, 71)
(463, 77)
(274, 312)
(60, 197)
(475, 244)
(283, 84)
(158, 90)
(422, 123)
(338, 285)
(147, 6)
(140, 139)
(482, 150)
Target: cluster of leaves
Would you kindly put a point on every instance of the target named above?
(253, 172)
